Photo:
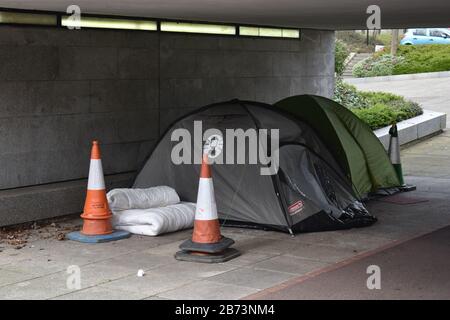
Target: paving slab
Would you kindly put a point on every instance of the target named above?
(166, 249)
(192, 270)
(155, 298)
(430, 158)
(252, 278)
(78, 253)
(320, 253)
(137, 260)
(250, 258)
(11, 255)
(344, 239)
(208, 290)
(150, 284)
(41, 265)
(41, 288)
(11, 277)
(266, 245)
(289, 264)
(140, 243)
(99, 293)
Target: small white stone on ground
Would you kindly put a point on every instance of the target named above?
(140, 273)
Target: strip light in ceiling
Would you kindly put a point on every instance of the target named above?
(109, 23)
(169, 26)
(269, 32)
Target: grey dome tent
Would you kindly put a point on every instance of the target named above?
(309, 192)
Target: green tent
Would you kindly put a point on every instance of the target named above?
(352, 142)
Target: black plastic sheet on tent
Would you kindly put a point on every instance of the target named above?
(310, 192)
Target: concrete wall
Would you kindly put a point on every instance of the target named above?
(198, 70)
(59, 89)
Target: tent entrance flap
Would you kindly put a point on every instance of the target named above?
(310, 185)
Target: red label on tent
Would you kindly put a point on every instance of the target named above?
(296, 207)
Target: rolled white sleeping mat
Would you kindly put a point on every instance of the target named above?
(125, 199)
(156, 221)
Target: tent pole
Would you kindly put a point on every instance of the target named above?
(291, 232)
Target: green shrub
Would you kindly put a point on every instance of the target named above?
(340, 54)
(411, 108)
(349, 96)
(399, 109)
(377, 65)
(377, 109)
(409, 59)
(423, 58)
(398, 103)
(378, 116)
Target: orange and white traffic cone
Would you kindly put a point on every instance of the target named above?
(207, 244)
(96, 215)
(206, 225)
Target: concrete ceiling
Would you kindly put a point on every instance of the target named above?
(323, 14)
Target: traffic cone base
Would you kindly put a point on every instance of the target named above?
(216, 247)
(224, 256)
(115, 235)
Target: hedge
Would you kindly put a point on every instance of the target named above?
(377, 109)
(424, 58)
(377, 66)
(409, 59)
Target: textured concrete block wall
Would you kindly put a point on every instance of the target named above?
(59, 89)
(197, 70)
